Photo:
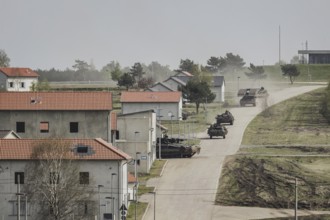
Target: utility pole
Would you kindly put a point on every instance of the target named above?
(113, 199)
(279, 45)
(99, 189)
(160, 137)
(18, 197)
(296, 200)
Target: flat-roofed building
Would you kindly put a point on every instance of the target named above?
(315, 56)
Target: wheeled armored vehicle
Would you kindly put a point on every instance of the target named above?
(248, 100)
(217, 130)
(226, 117)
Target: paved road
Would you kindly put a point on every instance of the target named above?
(187, 188)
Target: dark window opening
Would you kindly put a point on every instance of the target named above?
(74, 127)
(20, 176)
(84, 178)
(20, 127)
(82, 149)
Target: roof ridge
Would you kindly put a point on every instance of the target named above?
(113, 148)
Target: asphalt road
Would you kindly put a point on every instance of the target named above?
(187, 188)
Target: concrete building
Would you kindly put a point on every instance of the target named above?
(184, 76)
(218, 88)
(104, 166)
(315, 56)
(181, 78)
(175, 83)
(137, 137)
(167, 105)
(57, 114)
(160, 87)
(17, 79)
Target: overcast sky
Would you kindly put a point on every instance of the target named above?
(45, 34)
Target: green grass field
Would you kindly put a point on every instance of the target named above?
(288, 141)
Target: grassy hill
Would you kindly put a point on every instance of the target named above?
(289, 142)
(308, 73)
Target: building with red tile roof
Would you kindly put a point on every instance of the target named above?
(93, 149)
(17, 79)
(95, 157)
(165, 104)
(57, 114)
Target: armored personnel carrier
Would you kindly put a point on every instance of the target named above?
(226, 117)
(217, 130)
(250, 95)
(248, 100)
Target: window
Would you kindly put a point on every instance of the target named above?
(73, 127)
(20, 127)
(84, 178)
(54, 178)
(11, 84)
(44, 127)
(82, 149)
(20, 176)
(22, 84)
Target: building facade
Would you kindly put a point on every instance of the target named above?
(17, 79)
(57, 114)
(167, 105)
(137, 137)
(315, 56)
(104, 166)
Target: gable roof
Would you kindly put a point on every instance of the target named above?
(18, 72)
(7, 133)
(98, 149)
(180, 72)
(176, 79)
(55, 101)
(150, 97)
(162, 84)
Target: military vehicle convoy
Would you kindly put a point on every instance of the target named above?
(218, 129)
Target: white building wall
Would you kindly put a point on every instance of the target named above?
(165, 108)
(17, 84)
(219, 92)
(100, 173)
(142, 142)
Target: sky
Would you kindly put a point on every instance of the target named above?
(45, 34)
